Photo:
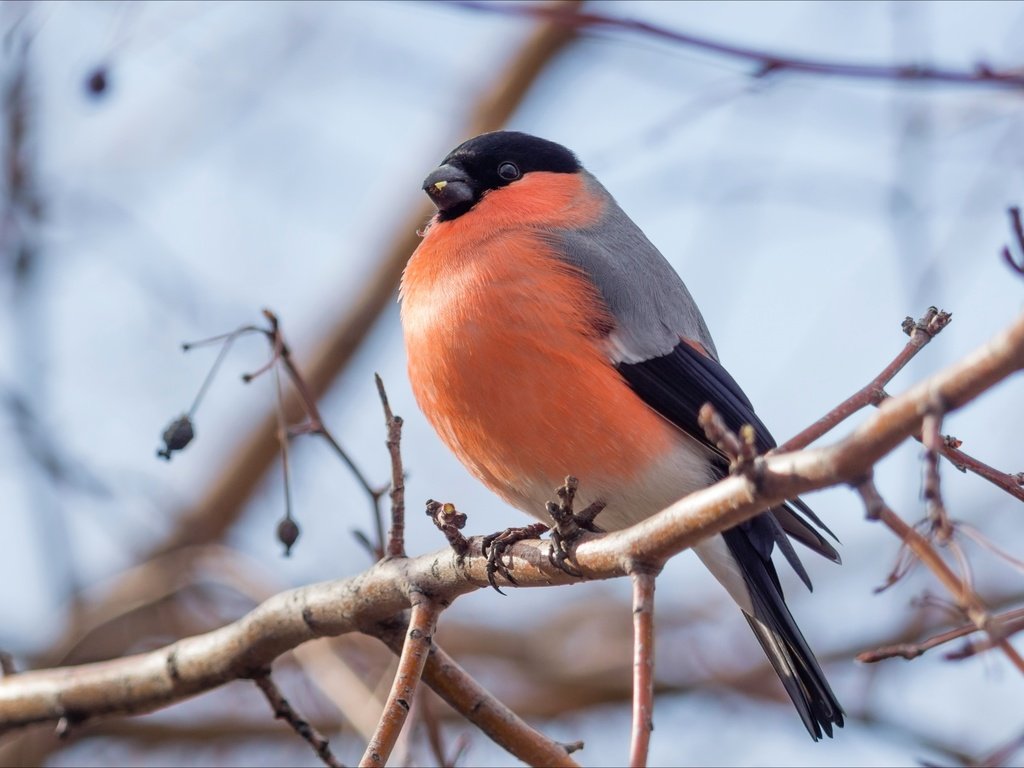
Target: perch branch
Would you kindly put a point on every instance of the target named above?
(149, 681)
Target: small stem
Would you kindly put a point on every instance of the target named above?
(283, 711)
(643, 668)
(873, 393)
(926, 553)
(396, 536)
(422, 622)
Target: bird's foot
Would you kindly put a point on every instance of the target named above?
(495, 545)
(570, 526)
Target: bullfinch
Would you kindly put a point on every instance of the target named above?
(546, 337)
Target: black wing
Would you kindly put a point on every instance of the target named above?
(677, 385)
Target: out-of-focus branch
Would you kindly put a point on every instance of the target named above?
(1017, 225)
(965, 597)
(283, 710)
(766, 62)
(1009, 622)
(149, 681)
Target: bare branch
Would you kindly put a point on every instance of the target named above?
(422, 623)
(1018, 233)
(767, 62)
(467, 696)
(283, 711)
(152, 680)
(396, 536)
(873, 393)
(966, 598)
(643, 668)
(1009, 619)
(1012, 484)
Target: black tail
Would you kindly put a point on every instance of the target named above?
(751, 544)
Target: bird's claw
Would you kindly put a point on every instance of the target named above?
(495, 545)
(570, 526)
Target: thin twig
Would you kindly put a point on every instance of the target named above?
(443, 674)
(931, 438)
(965, 597)
(643, 667)
(767, 62)
(450, 522)
(422, 623)
(873, 393)
(1012, 484)
(7, 667)
(396, 534)
(283, 711)
(315, 424)
(1017, 226)
(1001, 630)
(913, 650)
(287, 529)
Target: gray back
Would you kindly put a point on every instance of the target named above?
(648, 299)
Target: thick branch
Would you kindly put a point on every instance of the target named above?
(145, 682)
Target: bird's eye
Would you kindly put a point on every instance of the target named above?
(509, 171)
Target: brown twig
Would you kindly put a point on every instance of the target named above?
(1001, 630)
(873, 393)
(921, 332)
(283, 710)
(450, 522)
(1010, 619)
(422, 623)
(767, 62)
(643, 667)
(468, 697)
(1012, 484)
(965, 597)
(396, 534)
(1018, 233)
(7, 667)
(931, 438)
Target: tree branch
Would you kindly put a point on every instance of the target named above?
(415, 650)
(643, 668)
(148, 681)
(767, 62)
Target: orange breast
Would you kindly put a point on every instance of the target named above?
(505, 358)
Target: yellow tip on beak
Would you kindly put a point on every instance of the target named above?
(439, 185)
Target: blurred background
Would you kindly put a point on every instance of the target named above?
(172, 168)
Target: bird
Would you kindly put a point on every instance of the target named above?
(546, 336)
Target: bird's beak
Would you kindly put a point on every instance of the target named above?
(449, 187)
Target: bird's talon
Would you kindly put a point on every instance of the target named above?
(495, 545)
